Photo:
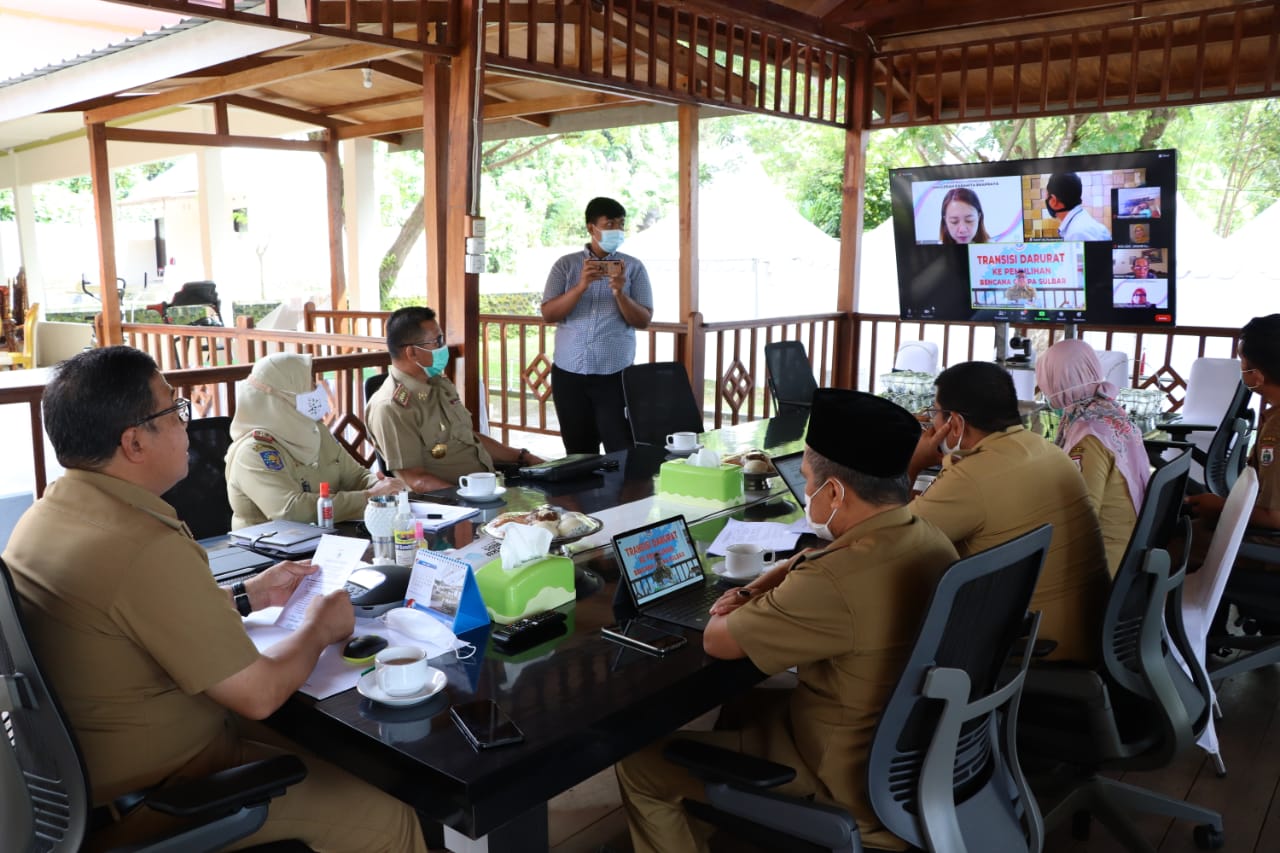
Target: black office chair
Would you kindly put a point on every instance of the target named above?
(44, 790)
(790, 375)
(1139, 709)
(1227, 453)
(201, 497)
(371, 386)
(1255, 592)
(659, 401)
(942, 772)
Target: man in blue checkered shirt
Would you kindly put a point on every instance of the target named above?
(597, 298)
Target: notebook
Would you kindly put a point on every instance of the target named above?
(230, 562)
(284, 539)
(661, 570)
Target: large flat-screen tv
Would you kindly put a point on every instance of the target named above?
(981, 241)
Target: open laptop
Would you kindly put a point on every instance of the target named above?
(662, 571)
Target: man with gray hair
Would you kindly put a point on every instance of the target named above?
(845, 615)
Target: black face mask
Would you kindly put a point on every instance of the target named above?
(1049, 208)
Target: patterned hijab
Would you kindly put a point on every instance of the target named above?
(1071, 378)
(265, 401)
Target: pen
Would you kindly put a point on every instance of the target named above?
(435, 515)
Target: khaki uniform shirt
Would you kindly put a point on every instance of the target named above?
(265, 483)
(128, 624)
(1108, 495)
(408, 416)
(1009, 484)
(846, 616)
(1265, 459)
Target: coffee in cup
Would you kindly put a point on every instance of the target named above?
(745, 560)
(401, 670)
(480, 483)
(682, 440)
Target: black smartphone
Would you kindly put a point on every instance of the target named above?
(643, 636)
(485, 725)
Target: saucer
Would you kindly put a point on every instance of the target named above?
(719, 569)
(368, 687)
(497, 493)
(683, 451)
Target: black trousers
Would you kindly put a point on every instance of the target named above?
(591, 410)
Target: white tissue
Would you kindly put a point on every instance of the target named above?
(523, 543)
(705, 458)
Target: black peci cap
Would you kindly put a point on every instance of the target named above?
(862, 431)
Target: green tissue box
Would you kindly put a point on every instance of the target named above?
(676, 477)
(536, 586)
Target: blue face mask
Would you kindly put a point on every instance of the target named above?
(439, 361)
(611, 240)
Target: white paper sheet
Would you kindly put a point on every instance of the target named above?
(769, 535)
(337, 557)
(435, 517)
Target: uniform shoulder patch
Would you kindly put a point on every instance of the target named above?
(1078, 458)
(272, 460)
(401, 396)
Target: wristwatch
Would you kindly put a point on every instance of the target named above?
(240, 596)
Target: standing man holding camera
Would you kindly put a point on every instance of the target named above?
(597, 298)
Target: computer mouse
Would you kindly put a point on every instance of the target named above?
(361, 649)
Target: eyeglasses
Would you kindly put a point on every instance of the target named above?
(181, 405)
(430, 345)
(931, 412)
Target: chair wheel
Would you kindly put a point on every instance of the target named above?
(1080, 823)
(1208, 838)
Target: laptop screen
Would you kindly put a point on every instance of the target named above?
(788, 467)
(658, 559)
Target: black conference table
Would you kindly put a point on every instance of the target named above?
(581, 701)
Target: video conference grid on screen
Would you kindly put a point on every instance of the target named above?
(979, 241)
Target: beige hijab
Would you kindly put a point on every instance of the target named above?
(265, 401)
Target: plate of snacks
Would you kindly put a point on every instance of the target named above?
(757, 468)
(565, 525)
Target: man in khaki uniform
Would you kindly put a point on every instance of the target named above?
(1000, 481)
(1260, 372)
(845, 615)
(279, 456)
(417, 420)
(147, 654)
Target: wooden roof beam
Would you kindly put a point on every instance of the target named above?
(210, 140)
(285, 69)
(543, 106)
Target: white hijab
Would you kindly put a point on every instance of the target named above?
(266, 401)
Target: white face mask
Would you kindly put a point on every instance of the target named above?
(947, 449)
(821, 530)
(313, 404)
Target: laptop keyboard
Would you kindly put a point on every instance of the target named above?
(691, 605)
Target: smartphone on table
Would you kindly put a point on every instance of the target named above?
(643, 636)
(485, 725)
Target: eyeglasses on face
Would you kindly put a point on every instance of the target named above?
(181, 405)
(430, 345)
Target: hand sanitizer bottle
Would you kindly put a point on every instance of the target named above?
(324, 508)
(404, 532)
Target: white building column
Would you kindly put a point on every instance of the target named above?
(24, 208)
(360, 204)
(215, 214)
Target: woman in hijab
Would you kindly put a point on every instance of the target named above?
(281, 453)
(1099, 437)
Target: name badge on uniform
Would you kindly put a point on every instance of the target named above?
(1266, 453)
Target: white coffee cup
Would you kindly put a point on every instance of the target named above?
(745, 560)
(682, 440)
(480, 483)
(401, 670)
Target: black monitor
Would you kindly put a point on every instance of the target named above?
(978, 241)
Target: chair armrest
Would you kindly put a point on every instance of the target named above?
(716, 764)
(1073, 683)
(1039, 649)
(827, 826)
(228, 790)
(1179, 430)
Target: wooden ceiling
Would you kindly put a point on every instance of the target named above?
(873, 63)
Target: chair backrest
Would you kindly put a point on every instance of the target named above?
(371, 386)
(943, 771)
(790, 375)
(201, 498)
(1144, 618)
(44, 790)
(921, 356)
(1115, 367)
(1227, 452)
(659, 402)
(1210, 389)
(1203, 589)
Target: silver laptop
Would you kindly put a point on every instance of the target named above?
(662, 571)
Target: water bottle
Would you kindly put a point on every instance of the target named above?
(324, 508)
(404, 532)
(379, 517)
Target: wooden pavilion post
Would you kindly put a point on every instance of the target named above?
(435, 179)
(853, 195)
(104, 215)
(333, 192)
(694, 354)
